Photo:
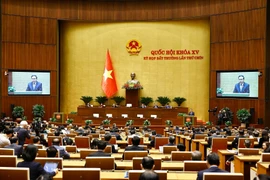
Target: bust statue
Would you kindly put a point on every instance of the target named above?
(133, 83)
(133, 80)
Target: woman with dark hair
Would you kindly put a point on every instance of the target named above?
(29, 155)
(266, 147)
(264, 138)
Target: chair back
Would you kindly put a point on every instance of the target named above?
(219, 144)
(82, 141)
(135, 174)
(265, 157)
(180, 155)
(42, 161)
(143, 146)
(241, 142)
(71, 135)
(104, 163)
(230, 138)
(108, 149)
(222, 176)
(51, 138)
(29, 141)
(128, 155)
(42, 153)
(14, 173)
(249, 151)
(169, 149)
(6, 151)
(8, 161)
(86, 152)
(38, 146)
(130, 140)
(81, 173)
(195, 165)
(136, 163)
(160, 141)
(200, 136)
(112, 140)
(95, 136)
(71, 149)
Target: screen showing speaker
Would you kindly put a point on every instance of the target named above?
(28, 83)
(237, 84)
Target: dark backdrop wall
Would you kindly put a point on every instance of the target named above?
(238, 40)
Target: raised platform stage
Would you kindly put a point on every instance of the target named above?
(84, 113)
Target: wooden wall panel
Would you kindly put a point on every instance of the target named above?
(221, 6)
(27, 102)
(238, 26)
(13, 28)
(40, 30)
(235, 104)
(220, 56)
(29, 56)
(13, 7)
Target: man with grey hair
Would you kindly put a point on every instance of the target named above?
(196, 156)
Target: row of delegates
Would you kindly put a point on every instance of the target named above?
(36, 169)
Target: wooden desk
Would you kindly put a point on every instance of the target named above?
(224, 155)
(127, 165)
(242, 164)
(165, 157)
(119, 175)
(263, 168)
(188, 143)
(151, 151)
(195, 144)
(203, 149)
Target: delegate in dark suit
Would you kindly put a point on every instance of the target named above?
(35, 169)
(245, 88)
(37, 87)
(212, 163)
(18, 149)
(99, 153)
(22, 135)
(211, 169)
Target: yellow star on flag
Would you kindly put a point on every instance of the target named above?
(107, 74)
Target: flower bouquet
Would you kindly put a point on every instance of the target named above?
(132, 85)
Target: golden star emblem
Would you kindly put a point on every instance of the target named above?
(107, 74)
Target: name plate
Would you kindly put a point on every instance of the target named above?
(129, 105)
(124, 115)
(153, 116)
(109, 115)
(140, 115)
(96, 115)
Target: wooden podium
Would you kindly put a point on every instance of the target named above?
(132, 97)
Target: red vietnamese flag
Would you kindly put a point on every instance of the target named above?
(108, 81)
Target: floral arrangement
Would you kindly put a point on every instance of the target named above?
(11, 89)
(219, 91)
(225, 114)
(243, 115)
(132, 85)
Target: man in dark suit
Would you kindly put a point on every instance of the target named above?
(241, 87)
(63, 153)
(235, 141)
(212, 163)
(107, 139)
(23, 133)
(171, 141)
(18, 149)
(34, 85)
(101, 146)
(115, 132)
(135, 145)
